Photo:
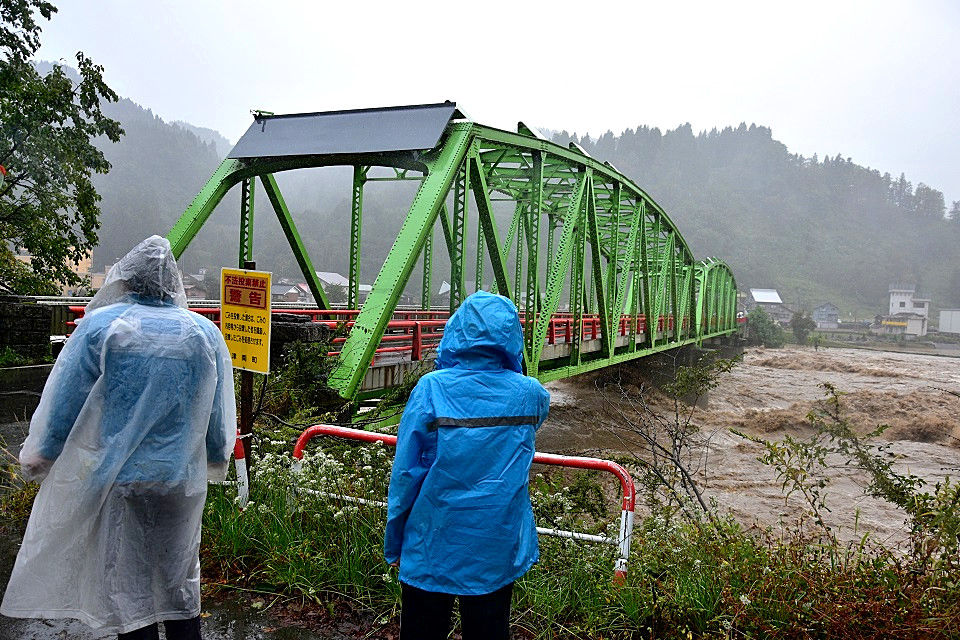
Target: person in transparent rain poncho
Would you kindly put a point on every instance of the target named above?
(136, 416)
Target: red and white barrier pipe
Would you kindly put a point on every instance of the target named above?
(626, 483)
(627, 505)
(243, 477)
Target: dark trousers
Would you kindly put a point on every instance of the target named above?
(176, 630)
(425, 615)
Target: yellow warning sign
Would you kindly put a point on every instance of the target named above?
(245, 318)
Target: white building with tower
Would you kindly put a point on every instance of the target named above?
(903, 299)
(908, 313)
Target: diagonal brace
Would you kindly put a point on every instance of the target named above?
(293, 237)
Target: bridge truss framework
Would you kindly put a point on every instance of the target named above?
(579, 227)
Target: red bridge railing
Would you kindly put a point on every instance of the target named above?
(628, 502)
(418, 332)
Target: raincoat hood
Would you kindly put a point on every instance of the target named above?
(484, 333)
(148, 274)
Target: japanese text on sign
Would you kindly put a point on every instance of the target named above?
(245, 318)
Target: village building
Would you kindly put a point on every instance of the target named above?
(769, 300)
(196, 287)
(903, 299)
(949, 321)
(83, 268)
(907, 324)
(331, 280)
(907, 314)
(285, 293)
(827, 316)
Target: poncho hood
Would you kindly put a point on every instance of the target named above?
(148, 274)
(484, 333)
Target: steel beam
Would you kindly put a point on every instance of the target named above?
(248, 188)
(356, 225)
(362, 343)
(293, 239)
(478, 184)
(558, 269)
(597, 276)
(458, 237)
(532, 304)
(427, 282)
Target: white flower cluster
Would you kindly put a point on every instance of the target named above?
(552, 505)
(324, 480)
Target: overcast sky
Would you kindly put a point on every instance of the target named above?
(876, 81)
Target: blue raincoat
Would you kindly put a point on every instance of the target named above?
(459, 517)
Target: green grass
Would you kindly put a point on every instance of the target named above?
(9, 357)
(686, 579)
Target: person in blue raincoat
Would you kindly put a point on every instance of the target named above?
(459, 521)
(136, 416)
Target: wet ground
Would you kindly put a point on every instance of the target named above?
(225, 621)
(223, 618)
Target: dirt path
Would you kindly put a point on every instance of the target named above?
(769, 395)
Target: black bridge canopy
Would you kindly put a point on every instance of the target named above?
(341, 132)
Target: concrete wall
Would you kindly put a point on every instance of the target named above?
(20, 389)
(25, 328)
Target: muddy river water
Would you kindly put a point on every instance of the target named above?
(769, 395)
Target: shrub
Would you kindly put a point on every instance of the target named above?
(762, 330)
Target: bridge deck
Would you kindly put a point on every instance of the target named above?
(412, 337)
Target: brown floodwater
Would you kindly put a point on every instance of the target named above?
(769, 395)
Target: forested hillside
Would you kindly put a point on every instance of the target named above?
(815, 229)
(157, 169)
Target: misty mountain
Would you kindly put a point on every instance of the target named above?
(220, 143)
(157, 169)
(817, 230)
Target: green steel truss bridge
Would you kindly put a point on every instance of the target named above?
(598, 270)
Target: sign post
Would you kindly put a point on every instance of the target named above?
(245, 323)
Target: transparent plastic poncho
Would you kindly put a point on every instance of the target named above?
(136, 416)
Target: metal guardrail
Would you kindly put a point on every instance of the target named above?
(628, 502)
(417, 332)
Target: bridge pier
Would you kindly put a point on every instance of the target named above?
(287, 328)
(728, 346)
(660, 369)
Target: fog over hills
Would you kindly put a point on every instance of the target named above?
(816, 229)
(220, 143)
